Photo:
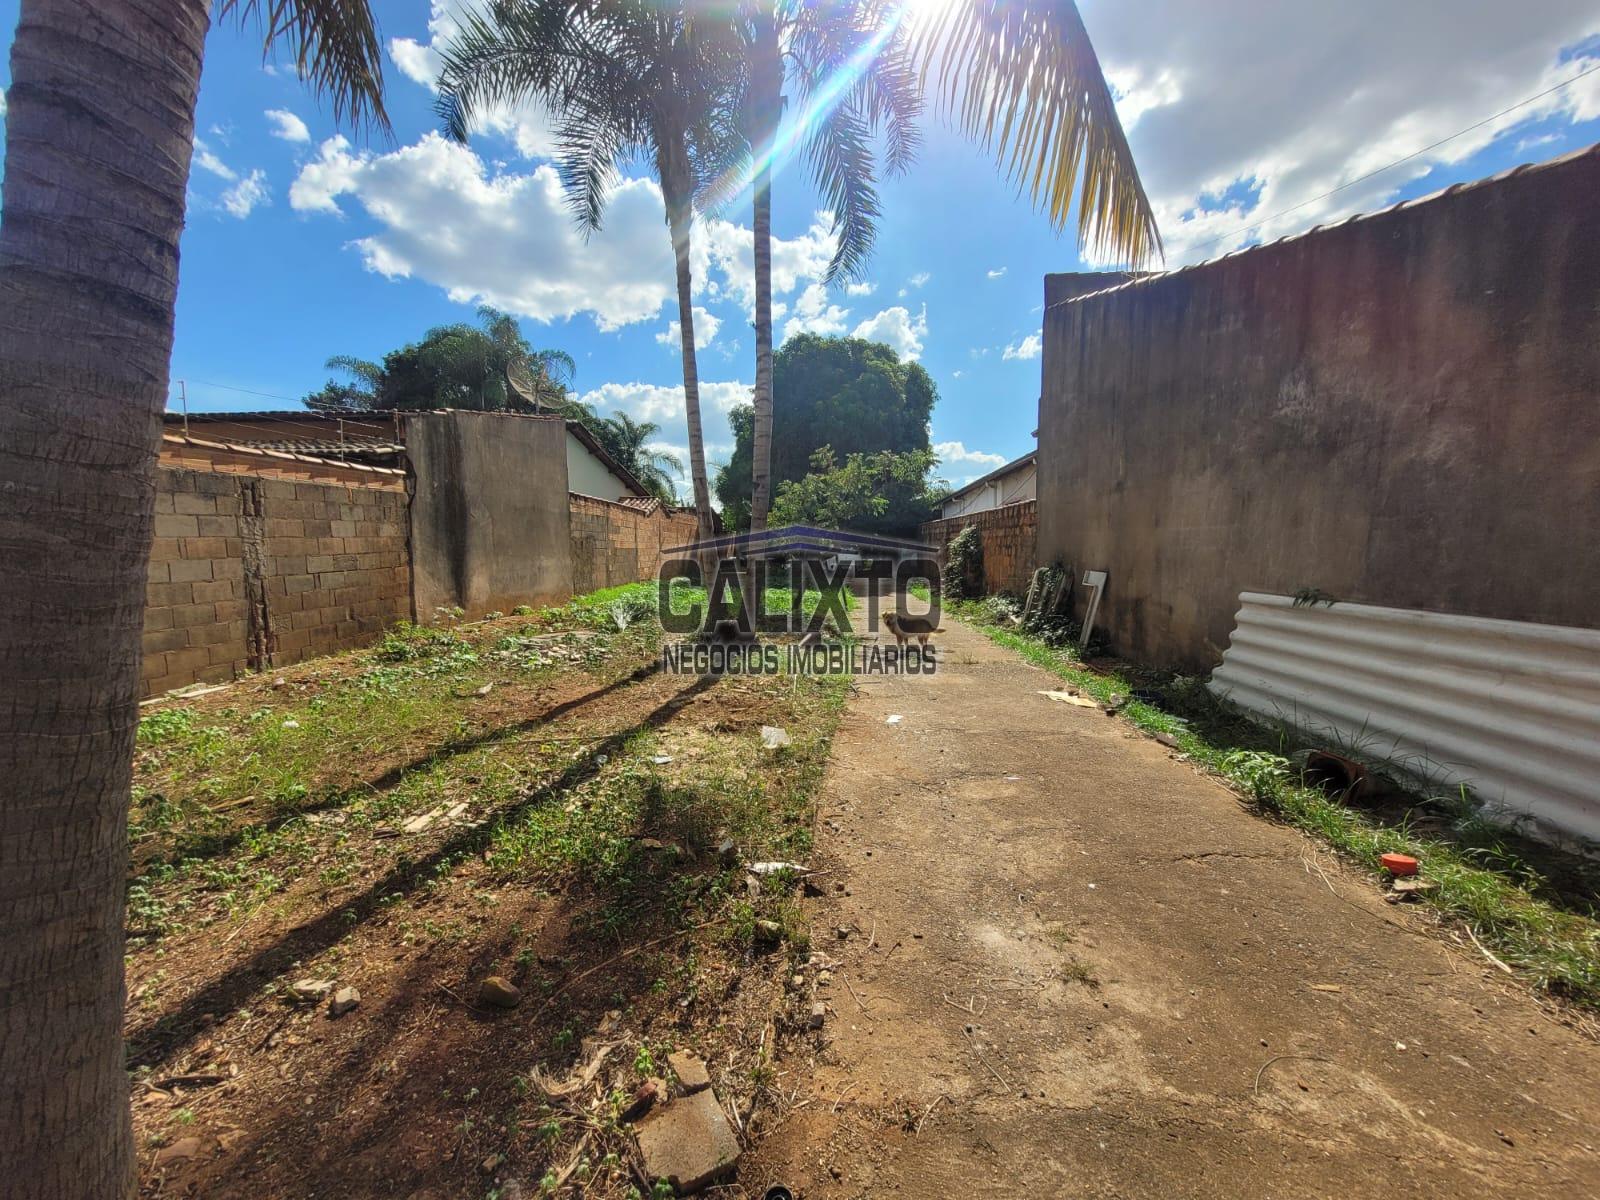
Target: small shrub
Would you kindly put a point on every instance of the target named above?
(963, 572)
(165, 725)
(407, 643)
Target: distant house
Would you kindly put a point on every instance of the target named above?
(1009, 484)
(369, 439)
(593, 472)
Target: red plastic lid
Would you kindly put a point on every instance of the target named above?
(1398, 864)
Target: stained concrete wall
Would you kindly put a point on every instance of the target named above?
(489, 523)
(1403, 409)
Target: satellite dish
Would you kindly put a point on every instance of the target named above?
(520, 380)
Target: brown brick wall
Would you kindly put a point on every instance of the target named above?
(1009, 536)
(614, 543)
(248, 573)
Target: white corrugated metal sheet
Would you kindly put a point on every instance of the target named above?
(1510, 708)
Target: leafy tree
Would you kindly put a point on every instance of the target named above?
(853, 395)
(489, 367)
(874, 493)
(98, 141)
(733, 477)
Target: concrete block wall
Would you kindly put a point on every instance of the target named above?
(335, 565)
(1009, 536)
(618, 543)
(195, 627)
(248, 573)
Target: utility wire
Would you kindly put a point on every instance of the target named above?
(291, 399)
(1414, 154)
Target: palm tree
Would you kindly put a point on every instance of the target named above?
(627, 440)
(1021, 77)
(625, 77)
(99, 135)
(863, 48)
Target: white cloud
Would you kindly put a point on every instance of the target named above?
(997, 273)
(1230, 130)
(814, 314)
(2, 104)
(706, 325)
(1136, 94)
(526, 126)
(287, 126)
(898, 328)
(916, 281)
(957, 373)
(1028, 347)
(864, 288)
(663, 403)
(246, 195)
(206, 160)
(795, 261)
(506, 239)
(956, 454)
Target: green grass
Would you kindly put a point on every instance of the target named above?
(1532, 906)
(233, 805)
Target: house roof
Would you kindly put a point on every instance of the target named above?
(361, 435)
(1016, 464)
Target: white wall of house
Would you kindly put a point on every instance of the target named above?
(1019, 485)
(588, 476)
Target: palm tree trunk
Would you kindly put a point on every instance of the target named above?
(98, 139)
(766, 110)
(673, 167)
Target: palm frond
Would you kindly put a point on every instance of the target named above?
(368, 372)
(336, 49)
(1021, 77)
(558, 366)
(840, 154)
(589, 149)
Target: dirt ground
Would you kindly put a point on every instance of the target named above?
(560, 829)
(1073, 965)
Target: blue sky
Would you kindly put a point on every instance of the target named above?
(300, 246)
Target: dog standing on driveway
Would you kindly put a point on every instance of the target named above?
(905, 628)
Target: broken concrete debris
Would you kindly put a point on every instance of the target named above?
(310, 991)
(818, 1017)
(499, 992)
(688, 1142)
(344, 1000)
(690, 1070)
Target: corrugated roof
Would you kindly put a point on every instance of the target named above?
(998, 472)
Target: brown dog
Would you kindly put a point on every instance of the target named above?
(904, 628)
